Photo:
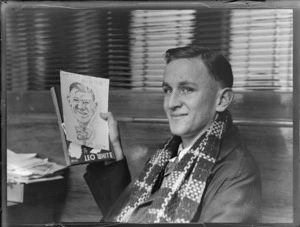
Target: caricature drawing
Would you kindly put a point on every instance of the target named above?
(82, 107)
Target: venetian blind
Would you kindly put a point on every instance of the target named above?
(258, 43)
(152, 32)
(40, 42)
(260, 50)
(127, 46)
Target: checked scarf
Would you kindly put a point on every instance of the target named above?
(180, 193)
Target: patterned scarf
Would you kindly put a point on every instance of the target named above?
(180, 193)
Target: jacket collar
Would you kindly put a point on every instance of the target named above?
(230, 141)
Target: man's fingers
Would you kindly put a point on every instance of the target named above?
(104, 116)
(112, 123)
(113, 134)
(107, 116)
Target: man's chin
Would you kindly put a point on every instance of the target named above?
(83, 120)
(176, 131)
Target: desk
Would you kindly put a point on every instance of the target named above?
(42, 203)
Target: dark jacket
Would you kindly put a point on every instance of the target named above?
(232, 194)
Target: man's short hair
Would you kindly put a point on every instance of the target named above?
(82, 88)
(217, 65)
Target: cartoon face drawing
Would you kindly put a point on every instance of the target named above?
(82, 102)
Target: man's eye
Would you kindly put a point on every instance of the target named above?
(187, 90)
(167, 90)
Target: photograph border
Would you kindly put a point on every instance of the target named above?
(165, 5)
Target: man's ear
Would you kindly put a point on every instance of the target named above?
(224, 99)
(95, 107)
(69, 99)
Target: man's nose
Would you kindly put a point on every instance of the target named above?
(174, 100)
(80, 105)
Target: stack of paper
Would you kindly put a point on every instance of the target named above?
(28, 168)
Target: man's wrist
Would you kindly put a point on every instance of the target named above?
(118, 152)
(117, 149)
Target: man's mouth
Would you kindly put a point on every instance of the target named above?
(177, 116)
(82, 113)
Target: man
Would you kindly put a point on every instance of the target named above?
(202, 173)
(90, 126)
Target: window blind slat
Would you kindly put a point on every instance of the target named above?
(261, 49)
(128, 45)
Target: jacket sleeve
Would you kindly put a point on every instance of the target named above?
(236, 198)
(107, 182)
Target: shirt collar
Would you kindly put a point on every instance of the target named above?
(230, 141)
(182, 151)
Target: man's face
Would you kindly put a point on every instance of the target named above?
(82, 104)
(190, 98)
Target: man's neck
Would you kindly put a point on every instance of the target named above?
(190, 140)
(83, 124)
(187, 142)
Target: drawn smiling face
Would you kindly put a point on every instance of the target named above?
(83, 105)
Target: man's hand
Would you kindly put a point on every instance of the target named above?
(114, 135)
